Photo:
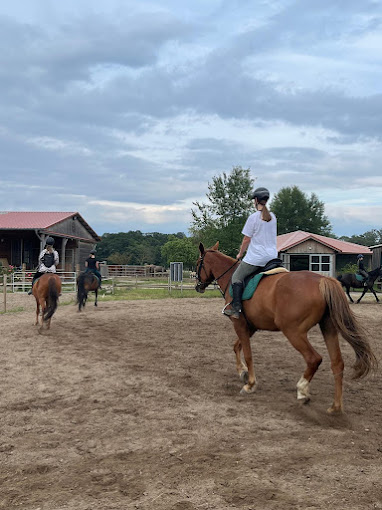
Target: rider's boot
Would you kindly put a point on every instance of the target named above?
(237, 291)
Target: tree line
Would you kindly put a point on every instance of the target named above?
(221, 218)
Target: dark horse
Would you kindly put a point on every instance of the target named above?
(291, 302)
(46, 291)
(86, 282)
(348, 280)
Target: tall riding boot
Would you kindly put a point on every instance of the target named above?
(237, 291)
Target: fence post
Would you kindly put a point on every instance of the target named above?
(5, 291)
(112, 285)
(23, 277)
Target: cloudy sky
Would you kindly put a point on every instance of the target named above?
(125, 110)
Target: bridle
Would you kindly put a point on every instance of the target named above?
(200, 285)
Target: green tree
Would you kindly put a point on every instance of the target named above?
(295, 210)
(369, 238)
(180, 250)
(223, 216)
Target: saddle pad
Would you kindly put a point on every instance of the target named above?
(254, 282)
(359, 277)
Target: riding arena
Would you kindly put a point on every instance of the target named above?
(137, 405)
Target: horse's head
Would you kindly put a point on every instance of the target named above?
(204, 275)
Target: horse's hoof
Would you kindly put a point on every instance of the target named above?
(303, 401)
(247, 390)
(244, 376)
(333, 410)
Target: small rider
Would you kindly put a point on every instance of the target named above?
(92, 265)
(361, 269)
(47, 261)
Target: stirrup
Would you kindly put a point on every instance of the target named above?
(231, 312)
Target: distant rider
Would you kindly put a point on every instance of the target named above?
(47, 261)
(92, 265)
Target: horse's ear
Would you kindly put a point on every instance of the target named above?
(201, 248)
(215, 246)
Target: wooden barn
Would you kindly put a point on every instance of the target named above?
(23, 234)
(305, 251)
(377, 256)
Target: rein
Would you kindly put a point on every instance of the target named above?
(205, 284)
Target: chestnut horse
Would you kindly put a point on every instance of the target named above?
(86, 282)
(46, 291)
(291, 302)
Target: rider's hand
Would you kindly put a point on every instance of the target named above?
(238, 256)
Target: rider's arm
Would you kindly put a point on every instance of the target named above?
(244, 245)
(86, 263)
(97, 265)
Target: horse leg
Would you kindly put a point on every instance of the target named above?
(363, 293)
(43, 308)
(348, 293)
(240, 366)
(243, 334)
(330, 335)
(37, 312)
(96, 297)
(375, 295)
(299, 340)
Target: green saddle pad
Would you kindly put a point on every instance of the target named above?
(250, 287)
(359, 277)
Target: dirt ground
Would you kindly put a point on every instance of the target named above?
(136, 405)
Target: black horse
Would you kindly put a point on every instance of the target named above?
(86, 282)
(348, 280)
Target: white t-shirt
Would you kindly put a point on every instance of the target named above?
(263, 245)
(42, 268)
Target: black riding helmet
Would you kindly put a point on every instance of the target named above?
(49, 241)
(260, 194)
(92, 252)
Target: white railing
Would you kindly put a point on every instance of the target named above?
(21, 281)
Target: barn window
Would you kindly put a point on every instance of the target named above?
(320, 263)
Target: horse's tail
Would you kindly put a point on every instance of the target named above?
(339, 278)
(52, 299)
(81, 292)
(348, 326)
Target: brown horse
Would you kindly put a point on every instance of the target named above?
(46, 291)
(291, 302)
(86, 282)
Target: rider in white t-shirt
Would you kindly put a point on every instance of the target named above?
(260, 245)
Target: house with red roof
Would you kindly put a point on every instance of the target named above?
(306, 251)
(23, 234)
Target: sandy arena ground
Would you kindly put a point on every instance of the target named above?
(136, 405)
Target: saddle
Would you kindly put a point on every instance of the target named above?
(274, 266)
(360, 277)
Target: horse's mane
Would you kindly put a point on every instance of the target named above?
(222, 255)
(375, 271)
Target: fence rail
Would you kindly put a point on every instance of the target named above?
(21, 281)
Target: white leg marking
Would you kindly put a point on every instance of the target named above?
(303, 389)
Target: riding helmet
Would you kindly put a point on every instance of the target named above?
(359, 256)
(260, 194)
(92, 252)
(49, 241)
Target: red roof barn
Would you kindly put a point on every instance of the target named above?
(22, 237)
(302, 250)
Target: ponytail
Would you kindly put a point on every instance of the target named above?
(265, 214)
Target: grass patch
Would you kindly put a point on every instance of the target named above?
(14, 310)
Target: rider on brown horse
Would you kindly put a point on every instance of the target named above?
(47, 261)
(260, 233)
